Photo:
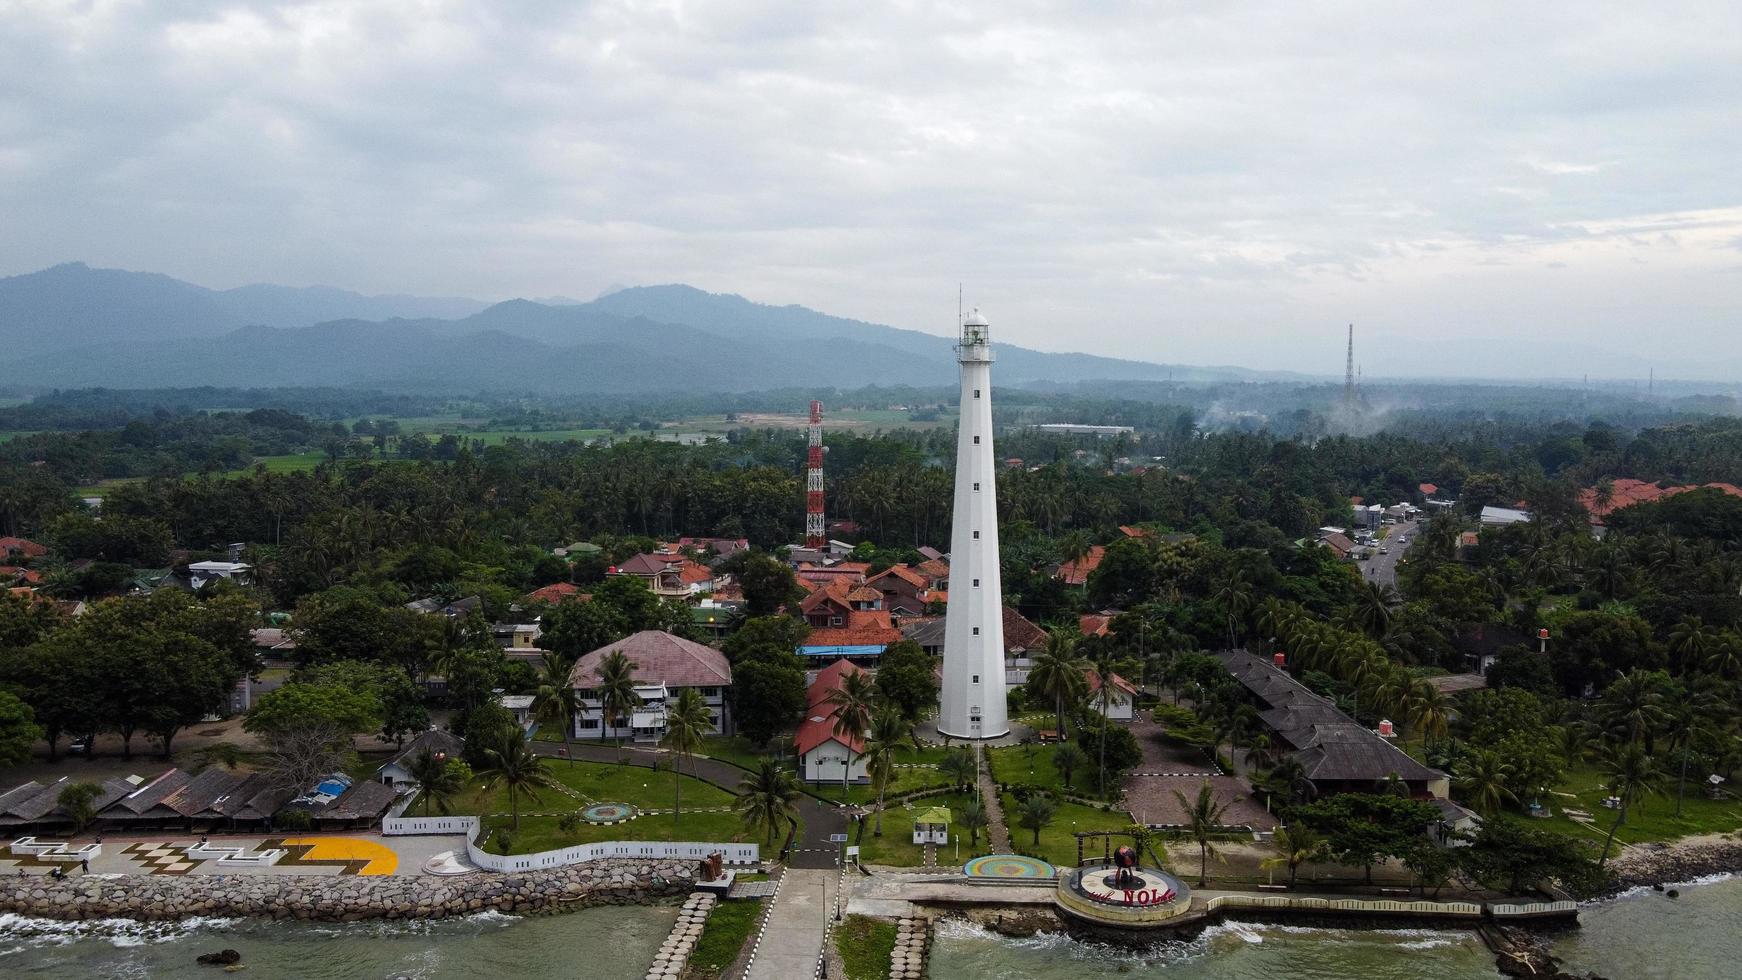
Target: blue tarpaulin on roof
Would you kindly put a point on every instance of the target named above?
(868, 650)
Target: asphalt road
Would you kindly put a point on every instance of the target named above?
(1383, 568)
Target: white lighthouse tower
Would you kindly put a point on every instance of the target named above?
(972, 705)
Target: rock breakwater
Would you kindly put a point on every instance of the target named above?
(1688, 859)
(153, 898)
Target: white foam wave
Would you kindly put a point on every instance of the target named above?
(1639, 890)
(29, 932)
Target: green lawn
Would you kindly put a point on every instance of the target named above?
(291, 463)
(737, 750)
(865, 945)
(543, 833)
(728, 926)
(1031, 765)
(896, 846)
(1057, 841)
(905, 781)
(1650, 819)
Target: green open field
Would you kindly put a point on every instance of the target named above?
(1058, 843)
(1651, 819)
(860, 420)
(896, 846)
(727, 928)
(865, 945)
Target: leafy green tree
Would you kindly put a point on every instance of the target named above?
(905, 679)
(1114, 745)
(1512, 857)
(972, 817)
(765, 635)
(308, 730)
(960, 767)
(575, 629)
(1482, 781)
(687, 721)
(18, 730)
(79, 801)
(59, 682)
(483, 727)
(769, 584)
(1362, 828)
(1632, 775)
(768, 694)
(1056, 677)
(768, 801)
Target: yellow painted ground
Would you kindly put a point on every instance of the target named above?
(382, 860)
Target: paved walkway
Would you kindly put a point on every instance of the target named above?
(996, 831)
(796, 926)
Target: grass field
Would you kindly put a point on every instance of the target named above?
(1058, 843)
(604, 783)
(896, 846)
(1031, 765)
(856, 420)
(723, 937)
(1651, 819)
(865, 945)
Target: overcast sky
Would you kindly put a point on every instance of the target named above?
(1505, 189)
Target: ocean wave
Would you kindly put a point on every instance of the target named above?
(1160, 953)
(1639, 890)
(22, 932)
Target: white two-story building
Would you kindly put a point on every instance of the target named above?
(663, 666)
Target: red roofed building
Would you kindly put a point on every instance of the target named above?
(851, 572)
(1428, 489)
(14, 573)
(668, 576)
(1627, 492)
(21, 548)
(936, 572)
(1120, 704)
(905, 591)
(1133, 532)
(1076, 571)
(556, 593)
(822, 754)
(862, 636)
(1094, 624)
(664, 666)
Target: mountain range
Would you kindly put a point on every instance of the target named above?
(75, 326)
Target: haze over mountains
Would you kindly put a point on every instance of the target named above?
(72, 325)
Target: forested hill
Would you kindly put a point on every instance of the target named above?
(73, 326)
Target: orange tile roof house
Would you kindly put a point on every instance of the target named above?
(664, 665)
(1077, 570)
(1627, 492)
(824, 755)
(557, 592)
(904, 590)
(1120, 704)
(668, 576)
(21, 548)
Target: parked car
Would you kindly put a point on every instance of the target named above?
(79, 746)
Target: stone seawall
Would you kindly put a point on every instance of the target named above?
(152, 898)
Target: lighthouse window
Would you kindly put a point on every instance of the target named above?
(976, 440)
(976, 535)
(976, 678)
(976, 583)
(976, 392)
(976, 631)
(976, 486)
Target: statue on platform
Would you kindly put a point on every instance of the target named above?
(1125, 859)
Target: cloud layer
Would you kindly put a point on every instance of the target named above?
(1484, 189)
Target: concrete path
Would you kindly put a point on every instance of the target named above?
(796, 926)
(996, 831)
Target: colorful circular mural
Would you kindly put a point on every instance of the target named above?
(608, 813)
(1008, 866)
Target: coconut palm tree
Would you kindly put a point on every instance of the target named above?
(438, 780)
(555, 702)
(1058, 672)
(687, 720)
(1374, 602)
(1631, 710)
(768, 801)
(615, 689)
(1235, 598)
(1632, 775)
(516, 767)
(890, 733)
(852, 702)
(960, 767)
(1203, 820)
(1298, 844)
(1106, 661)
(1067, 759)
(972, 818)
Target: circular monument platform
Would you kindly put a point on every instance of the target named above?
(1008, 866)
(608, 813)
(1123, 897)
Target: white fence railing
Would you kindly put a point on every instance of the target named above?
(578, 854)
(1533, 908)
(1389, 906)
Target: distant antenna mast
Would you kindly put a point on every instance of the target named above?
(958, 309)
(813, 498)
(1349, 374)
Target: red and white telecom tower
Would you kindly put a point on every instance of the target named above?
(813, 506)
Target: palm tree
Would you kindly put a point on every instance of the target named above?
(1106, 662)
(973, 819)
(555, 703)
(1035, 813)
(518, 768)
(438, 782)
(687, 720)
(1067, 759)
(1632, 708)
(1684, 721)
(852, 702)
(1203, 819)
(1483, 780)
(960, 766)
(890, 732)
(1690, 643)
(1058, 672)
(1288, 779)
(1632, 774)
(1373, 605)
(615, 689)
(768, 800)
(1235, 598)
(1298, 845)
(1428, 711)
